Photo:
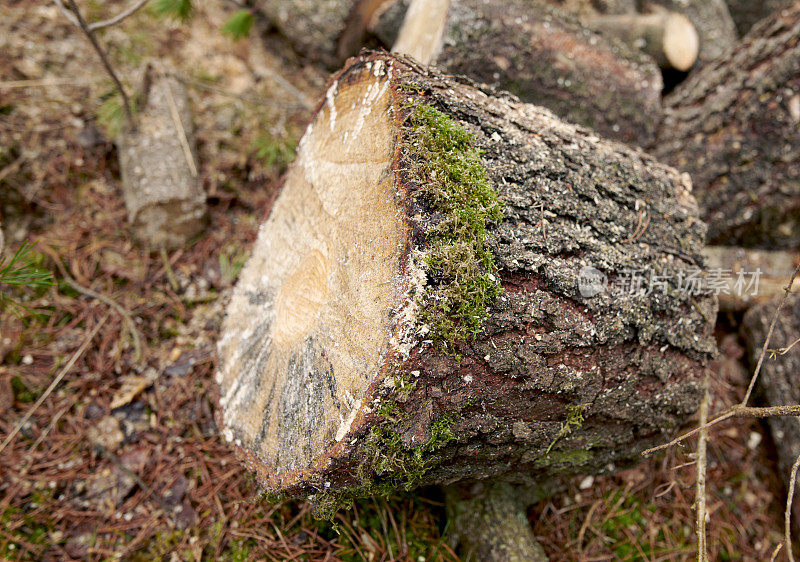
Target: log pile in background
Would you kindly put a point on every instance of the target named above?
(158, 164)
(342, 366)
(735, 127)
(546, 57)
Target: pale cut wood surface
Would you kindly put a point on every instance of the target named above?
(325, 269)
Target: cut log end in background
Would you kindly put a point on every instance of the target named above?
(158, 164)
(669, 37)
(337, 375)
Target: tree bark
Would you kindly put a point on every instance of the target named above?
(779, 383)
(711, 19)
(735, 127)
(547, 57)
(746, 13)
(165, 201)
(344, 363)
(488, 523)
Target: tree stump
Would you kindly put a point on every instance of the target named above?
(158, 163)
(735, 127)
(779, 380)
(416, 308)
(545, 56)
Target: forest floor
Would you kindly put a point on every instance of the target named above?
(150, 478)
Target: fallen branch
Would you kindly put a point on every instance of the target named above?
(700, 493)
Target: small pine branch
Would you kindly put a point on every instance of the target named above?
(22, 270)
(239, 24)
(180, 10)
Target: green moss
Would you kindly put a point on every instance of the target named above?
(448, 169)
(389, 464)
(571, 458)
(574, 421)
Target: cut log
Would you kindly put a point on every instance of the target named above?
(750, 277)
(395, 326)
(711, 19)
(746, 13)
(779, 380)
(735, 127)
(545, 56)
(669, 37)
(488, 523)
(158, 164)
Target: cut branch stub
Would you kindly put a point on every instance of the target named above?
(411, 313)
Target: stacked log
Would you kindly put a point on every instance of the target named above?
(735, 127)
(543, 55)
(425, 303)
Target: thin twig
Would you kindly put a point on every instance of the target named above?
(46, 82)
(783, 350)
(135, 7)
(173, 281)
(769, 336)
(127, 317)
(179, 128)
(90, 35)
(788, 515)
(53, 384)
(775, 552)
(700, 493)
(737, 411)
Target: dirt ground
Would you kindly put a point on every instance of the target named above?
(151, 479)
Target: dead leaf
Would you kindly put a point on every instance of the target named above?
(132, 386)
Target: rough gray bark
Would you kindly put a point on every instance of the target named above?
(547, 57)
(779, 381)
(746, 13)
(165, 201)
(488, 523)
(735, 127)
(712, 20)
(557, 381)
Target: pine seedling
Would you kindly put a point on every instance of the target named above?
(23, 269)
(238, 25)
